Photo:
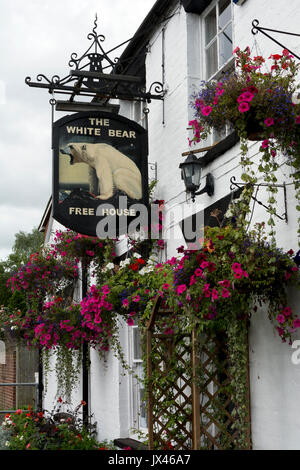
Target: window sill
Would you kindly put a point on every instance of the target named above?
(226, 144)
(122, 443)
(225, 68)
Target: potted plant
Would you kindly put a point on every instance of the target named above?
(256, 100)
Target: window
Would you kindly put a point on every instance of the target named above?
(2, 353)
(218, 37)
(139, 407)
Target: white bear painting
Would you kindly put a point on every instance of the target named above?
(115, 171)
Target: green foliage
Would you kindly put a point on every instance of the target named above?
(258, 105)
(41, 430)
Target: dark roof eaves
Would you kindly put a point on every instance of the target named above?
(145, 30)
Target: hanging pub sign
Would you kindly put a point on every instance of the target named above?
(100, 173)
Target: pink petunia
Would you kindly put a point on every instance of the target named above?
(225, 293)
(198, 272)
(225, 283)
(265, 144)
(296, 323)
(236, 267)
(287, 311)
(269, 121)
(105, 289)
(247, 96)
(219, 92)
(180, 289)
(214, 294)
(243, 107)
(280, 318)
(238, 274)
(130, 321)
(206, 110)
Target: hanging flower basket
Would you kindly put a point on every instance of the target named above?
(249, 97)
(255, 131)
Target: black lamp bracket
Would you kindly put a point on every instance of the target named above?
(256, 29)
(209, 187)
(284, 216)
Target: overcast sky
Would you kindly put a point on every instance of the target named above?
(39, 36)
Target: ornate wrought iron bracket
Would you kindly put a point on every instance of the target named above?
(256, 29)
(284, 216)
(88, 77)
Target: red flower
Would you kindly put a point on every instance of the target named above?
(134, 266)
(275, 56)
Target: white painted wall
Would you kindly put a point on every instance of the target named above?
(275, 381)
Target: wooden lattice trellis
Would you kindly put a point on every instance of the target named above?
(190, 405)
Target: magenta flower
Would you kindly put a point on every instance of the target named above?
(166, 286)
(273, 153)
(236, 267)
(287, 311)
(225, 293)
(206, 110)
(125, 302)
(214, 294)
(105, 289)
(280, 318)
(130, 321)
(238, 274)
(243, 107)
(204, 264)
(136, 298)
(161, 244)
(297, 120)
(219, 91)
(180, 289)
(247, 96)
(198, 272)
(265, 144)
(269, 121)
(296, 323)
(225, 283)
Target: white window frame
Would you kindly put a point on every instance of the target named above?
(230, 61)
(134, 389)
(214, 138)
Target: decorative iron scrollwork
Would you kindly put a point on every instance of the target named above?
(88, 76)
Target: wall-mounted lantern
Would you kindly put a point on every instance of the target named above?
(191, 170)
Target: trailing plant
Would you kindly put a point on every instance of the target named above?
(60, 429)
(258, 104)
(211, 290)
